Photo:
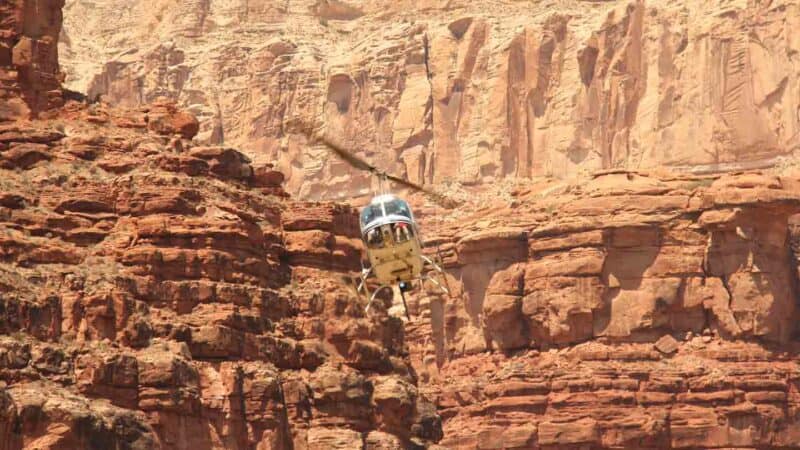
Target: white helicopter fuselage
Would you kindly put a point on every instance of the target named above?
(393, 245)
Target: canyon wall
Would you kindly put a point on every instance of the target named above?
(160, 289)
(623, 311)
(159, 294)
(155, 294)
(456, 90)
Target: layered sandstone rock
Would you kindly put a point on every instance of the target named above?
(709, 395)
(155, 293)
(161, 293)
(628, 257)
(458, 90)
(629, 310)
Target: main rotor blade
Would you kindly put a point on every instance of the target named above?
(361, 164)
(437, 197)
(348, 156)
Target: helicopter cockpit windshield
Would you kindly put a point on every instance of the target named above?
(370, 213)
(397, 207)
(390, 209)
(387, 217)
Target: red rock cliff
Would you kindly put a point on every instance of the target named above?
(457, 89)
(29, 71)
(157, 294)
(626, 311)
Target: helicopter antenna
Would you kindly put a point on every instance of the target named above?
(359, 163)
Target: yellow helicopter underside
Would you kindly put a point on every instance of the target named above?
(396, 262)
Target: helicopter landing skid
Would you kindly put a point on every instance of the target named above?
(425, 276)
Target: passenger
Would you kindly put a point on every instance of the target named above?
(401, 232)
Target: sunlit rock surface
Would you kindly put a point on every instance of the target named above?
(457, 90)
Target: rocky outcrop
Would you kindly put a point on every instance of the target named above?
(629, 310)
(158, 294)
(458, 90)
(711, 394)
(629, 257)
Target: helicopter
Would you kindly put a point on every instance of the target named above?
(391, 236)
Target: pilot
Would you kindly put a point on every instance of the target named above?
(374, 238)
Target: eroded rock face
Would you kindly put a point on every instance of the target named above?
(715, 395)
(158, 294)
(628, 310)
(628, 257)
(457, 90)
(172, 282)
(30, 81)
